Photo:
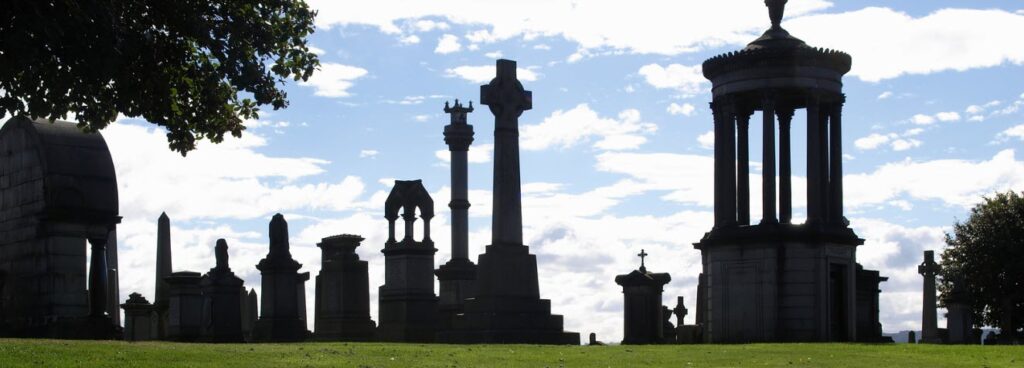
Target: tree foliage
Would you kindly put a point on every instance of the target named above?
(986, 252)
(180, 64)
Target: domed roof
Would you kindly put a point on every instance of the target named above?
(77, 172)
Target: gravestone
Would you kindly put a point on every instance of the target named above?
(163, 270)
(138, 318)
(59, 203)
(253, 302)
(280, 318)
(668, 329)
(593, 340)
(457, 278)
(643, 320)
(912, 337)
(869, 328)
(408, 306)
(222, 300)
(507, 307)
(929, 314)
(959, 319)
(685, 334)
(184, 306)
(342, 292)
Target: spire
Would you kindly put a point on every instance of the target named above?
(776, 9)
(163, 257)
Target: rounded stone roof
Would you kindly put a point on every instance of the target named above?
(79, 183)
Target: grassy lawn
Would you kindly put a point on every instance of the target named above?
(51, 353)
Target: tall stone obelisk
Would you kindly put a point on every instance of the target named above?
(163, 270)
(457, 278)
(929, 318)
(507, 307)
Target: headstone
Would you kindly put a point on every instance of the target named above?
(253, 301)
(668, 329)
(138, 318)
(163, 270)
(912, 337)
(643, 320)
(222, 300)
(593, 340)
(507, 307)
(959, 319)
(457, 278)
(343, 292)
(58, 206)
(280, 318)
(929, 317)
(408, 306)
(869, 329)
(184, 306)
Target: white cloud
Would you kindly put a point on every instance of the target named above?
(477, 154)
(707, 140)
(421, 118)
(566, 128)
(447, 44)
(1014, 132)
(368, 153)
(948, 116)
(913, 132)
(685, 109)
(905, 144)
(484, 73)
(688, 80)
(426, 25)
(493, 55)
(922, 119)
(316, 50)
(885, 95)
(333, 79)
(871, 142)
(897, 43)
(541, 47)
(410, 40)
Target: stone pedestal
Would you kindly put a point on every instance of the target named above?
(280, 318)
(343, 292)
(642, 310)
(222, 301)
(457, 281)
(138, 318)
(959, 319)
(185, 306)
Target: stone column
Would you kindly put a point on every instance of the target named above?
(929, 324)
(163, 270)
(836, 165)
(823, 160)
(729, 146)
(814, 180)
(768, 169)
(743, 167)
(507, 100)
(458, 135)
(410, 218)
(98, 278)
(785, 166)
(721, 171)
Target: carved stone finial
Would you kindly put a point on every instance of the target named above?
(776, 8)
(221, 253)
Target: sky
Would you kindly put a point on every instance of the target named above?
(616, 152)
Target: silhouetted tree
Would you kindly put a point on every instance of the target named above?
(180, 64)
(986, 252)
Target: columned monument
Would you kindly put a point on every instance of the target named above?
(643, 315)
(457, 278)
(507, 307)
(773, 280)
(929, 314)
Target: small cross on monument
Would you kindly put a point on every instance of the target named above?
(507, 100)
(642, 254)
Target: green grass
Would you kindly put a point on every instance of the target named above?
(61, 353)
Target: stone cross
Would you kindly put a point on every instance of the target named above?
(642, 254)
(929, 318)
(507, 100)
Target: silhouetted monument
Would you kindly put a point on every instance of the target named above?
(163, 270)
(280, 318)
(775, 280)
(593, 340)
(929, 314)
(685, 334)
(138, 318)
(60, 200)
(222, 300)
(407, 304)
(959, 318)
(457, 278)
(643, 316)
(507, 307)
(184, 306)
(253, 308)
(912, 337)
(869, 329)
(342, 292)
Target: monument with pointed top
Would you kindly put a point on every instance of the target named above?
(280, 318)
(222, 300)
(457, 278)
(163, 270)
(507, 307)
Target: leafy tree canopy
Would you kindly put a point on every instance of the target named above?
(986, 253)
(180, 64)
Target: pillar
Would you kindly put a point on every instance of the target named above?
(836, 165)
(814, 206)
(743, 167)
(98, 278)
(785, 166)
(823, 160)
(768, 169)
